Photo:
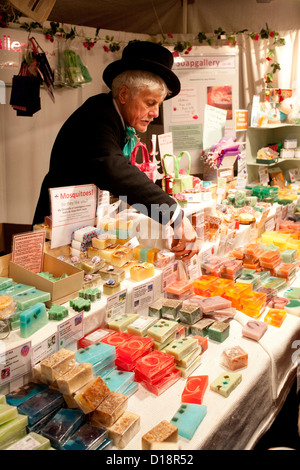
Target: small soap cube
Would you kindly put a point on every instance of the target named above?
(201, 327)
(275, 317)
(111, 286)
(190, 313)
(162, 432)
(234, 358)
(155, 308)
(91, 395)
(218, 331)
(194, 389)
(80, 375)
(188, 418)
(109, 410)
(254, 329)
(170, 309)
(225, 383)
(124, 429)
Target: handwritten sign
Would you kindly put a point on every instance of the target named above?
(28, 250)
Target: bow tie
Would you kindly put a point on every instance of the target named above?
(131, 141)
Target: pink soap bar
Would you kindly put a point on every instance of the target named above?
(227, 312)
(202, 340)
(254, 329)
(234, 358)
(211, 304)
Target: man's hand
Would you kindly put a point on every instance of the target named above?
(185, 244)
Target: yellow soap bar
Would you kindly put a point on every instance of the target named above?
(104, 240)
(142, 271)
(57, 364)
(109, 410)
(162, 432)
(76, 378)
(151, 255)
(121, 255)
(92, 395)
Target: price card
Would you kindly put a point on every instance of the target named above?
(116, 304)
(169, 275)
(70, 331)
(15, 362)
(45, 349)
(28, 250)
(263, 176)
(142, 296)
(192, 267)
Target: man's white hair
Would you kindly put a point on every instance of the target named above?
(138, 80)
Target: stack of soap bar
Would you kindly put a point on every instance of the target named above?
(289, 255)
(121, 255)
(124, 429)
(142, 271)
(32, 441)
(109, 410)
(140, 326)
(190, 362)
(211, 265)
(235, 293)
(218, 331)
(80, 304)
(156, 371)
(87, 437)
(188, 418)
(155, 309)
(254, 329)
(275, 317)
(62, 425)
(220, 286)
(40, 405)
(286, 270)
(231, 269)
(180, 348)
(210, 304)
(100, 355)
(13, 430)
(92, 293)
(121, 323)
(103, 240)
(108, 271)
(75, 378)
(93, 337)
(162, 432)
(270, 259)
(7, 412)
(225, 383)
(31, 297)
(274, 282)
(56, 365)
(190, 313)
(18, 396)
(6, 282)
(170, 309)
(234, 358)
(194, 389)
(111, 286)
(57, 312)
(202, 285)
(91, 395)
(118, 380)
(15, 289)
(162, 330)
(253, 303)
(33, 319)
(180, 289)
(116, 339)
(132, 350)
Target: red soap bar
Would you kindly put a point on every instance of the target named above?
(134, 347)
(118, 339)
(165, 383)
(139, 377)
(94, 336)
(154, 362)
(194, 389)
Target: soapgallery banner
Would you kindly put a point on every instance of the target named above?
(208, 62)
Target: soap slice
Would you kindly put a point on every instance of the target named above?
(124, 429)
(194, 389)
(62, 425)
(32, 441)
(162, 432)
(80, 375)
(226, 383)
(57, 364)
(109, 410)
(90, 397)
(188, 418)
(7, 412)
(87, 437)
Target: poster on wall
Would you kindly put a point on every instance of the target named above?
(209, 77)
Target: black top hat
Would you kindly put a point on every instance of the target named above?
(144, 55)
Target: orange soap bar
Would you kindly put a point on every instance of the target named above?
(275, 317)
(202, 285)
(202, 340)
(142, 271)
(194, 389)
(220, 286)
(234, 358)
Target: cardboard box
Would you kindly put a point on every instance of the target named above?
(62, 290)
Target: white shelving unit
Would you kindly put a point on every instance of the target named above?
(258, 137)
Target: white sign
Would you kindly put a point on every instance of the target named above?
(70, 331)
(116, 304)
(214, 126)
(165, 142)
(72, 207)
(142, 296)
(15, 362)
(44, 349)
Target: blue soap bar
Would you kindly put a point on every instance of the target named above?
(18, 396)
(41, 423)
(118, 380)
(41, 404)
(187, 419)
(62, 425)
(32, 319)
(131, 389)
(103, 366)
(87, 437)
(31, 297)
(96, 353)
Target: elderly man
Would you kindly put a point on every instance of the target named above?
(92, 147)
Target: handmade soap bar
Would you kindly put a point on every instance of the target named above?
(225, 383)
(41, 404)
(163, 384)
(109, 410)
(57, 312)
(31, 297)
(62, 425)
(186, 371)
(154, 362)
(180, 289)
(87, 437)
(218, 331)
(202, 285)
(15, 289)
(32, 441)
(142, 271)
(124, 429)
(194, 389)
(170, 309)
(93, 337)
(202, 341)
(210, 304)
(155, 309)
(57, 364)
(95, 353)
(91, 395)
(189, 358)
(80, 304)
(162, 329)
(140, 326)
(120, 323)
(190, 313)
(92, 265)
(2, 399)
(254, 329)
(85, 234)
(6, 282)
(103, 240)
(131, 389)
(201, 327)
(234, 358)
(188, 418)
(275, 317)
(121, 255)
(7, 412)
(75, 378)
(108, 271)
(111, 286)
(18, 396)
(152, 255)
(162, 432)
(32, 319)
(13, 428)
(293, 293)
(164, 258)
(293, 307)
(92, 293)
(118, 380)
(134, 348)
(181, 347)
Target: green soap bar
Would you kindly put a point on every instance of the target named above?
(2, 399)
(162, 329)
(80, 304)
(15, 289)
(181, 347)
(7, 412)
(218, 331)
(123, 321)
(92, 294)
(57, 312)
(31, 297)
(293, 293)
(11, 428)
(31, 441)
(170, 309)
(155, 309)
(226, 383)
(186, 371)
(201, 327)
(6, 282)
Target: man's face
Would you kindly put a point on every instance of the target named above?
(139, 111)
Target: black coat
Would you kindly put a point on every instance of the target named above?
(88, 150)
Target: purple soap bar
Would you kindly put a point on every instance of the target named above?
(211, 304)
(254, 329)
